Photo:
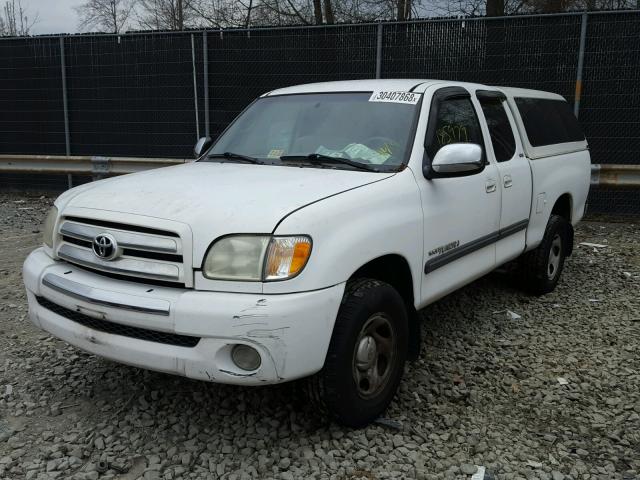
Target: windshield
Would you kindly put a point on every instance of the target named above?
(370, 129)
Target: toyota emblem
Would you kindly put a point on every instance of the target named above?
(105, 246)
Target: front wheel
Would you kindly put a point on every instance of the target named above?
(366, 355)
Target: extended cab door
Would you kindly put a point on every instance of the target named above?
(462, 211)
(514, 174)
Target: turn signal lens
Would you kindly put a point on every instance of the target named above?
(286, 257)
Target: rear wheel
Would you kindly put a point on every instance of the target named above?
(539, 269)
(366, 355)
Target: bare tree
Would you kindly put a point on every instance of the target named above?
(247, 21)
(165, 14)
(266, 12)
(495, 8)
(105, 15)
(328, 12)
(290, 12)
(220, 13)
(549, 6)
(317, 11)
(247, 13)
(364, 10)
(14, 19)
(404, 10)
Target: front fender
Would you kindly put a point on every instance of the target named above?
(355, 227)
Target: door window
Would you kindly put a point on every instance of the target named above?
(456, 122)
(502, 139)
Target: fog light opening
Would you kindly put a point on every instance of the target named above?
(246, 357)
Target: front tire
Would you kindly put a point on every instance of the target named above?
(540, 269)
(366, 355)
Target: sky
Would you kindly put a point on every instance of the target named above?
(55, 16)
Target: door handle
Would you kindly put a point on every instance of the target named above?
(490, 186)
(507, 181)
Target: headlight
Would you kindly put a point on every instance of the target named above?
(256, 257)
(47, 229)
(236, 258)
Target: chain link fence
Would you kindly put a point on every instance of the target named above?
(153, 94)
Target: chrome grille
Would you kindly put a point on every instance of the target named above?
(146, 253)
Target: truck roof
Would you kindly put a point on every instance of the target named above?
(528, 93)
(402, 84)
(420, 85)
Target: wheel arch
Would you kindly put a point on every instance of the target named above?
(395, 270)
(563, 207)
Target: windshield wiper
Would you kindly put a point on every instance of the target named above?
(318, 158)
(236, 156)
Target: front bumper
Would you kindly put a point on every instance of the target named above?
(291, 332)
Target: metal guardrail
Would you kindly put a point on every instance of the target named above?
(609, 176)
(602, 175)
(81, 165)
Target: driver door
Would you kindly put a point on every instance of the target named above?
(461, 213)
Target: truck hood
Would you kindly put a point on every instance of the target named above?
(216, 199)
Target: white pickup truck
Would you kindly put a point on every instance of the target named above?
(304, 240)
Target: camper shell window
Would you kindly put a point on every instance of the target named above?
(548, 121)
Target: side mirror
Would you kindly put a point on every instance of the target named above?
(202, 145)
(458, 159)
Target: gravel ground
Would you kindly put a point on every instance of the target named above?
(488, 390)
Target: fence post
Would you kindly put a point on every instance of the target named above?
(195, 86)
(205, 58)
(379, 52)
(583, 41)
(65, 107)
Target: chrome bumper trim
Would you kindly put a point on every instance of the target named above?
(104, 298)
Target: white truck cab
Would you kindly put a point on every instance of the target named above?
(303, 241)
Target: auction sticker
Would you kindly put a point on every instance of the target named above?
(275, 153)
(409, 98)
